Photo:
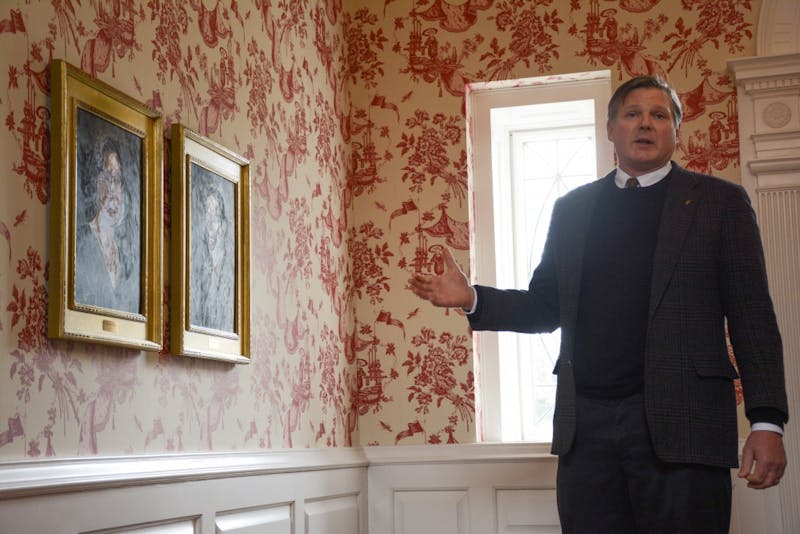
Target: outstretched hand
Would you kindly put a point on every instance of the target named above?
(449, 289)
(763, 459)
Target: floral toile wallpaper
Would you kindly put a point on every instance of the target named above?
(352, 115)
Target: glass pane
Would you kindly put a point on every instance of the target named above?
(546, 164)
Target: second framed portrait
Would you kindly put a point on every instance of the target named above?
(210, 250)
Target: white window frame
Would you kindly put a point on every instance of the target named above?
(481, 98)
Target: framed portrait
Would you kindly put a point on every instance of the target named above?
(106, 221)
(210, 249)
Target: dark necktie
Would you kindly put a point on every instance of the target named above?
(632, 182)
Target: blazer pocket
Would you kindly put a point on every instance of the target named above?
(715, 368)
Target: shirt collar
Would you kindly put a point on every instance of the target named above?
(645, 180)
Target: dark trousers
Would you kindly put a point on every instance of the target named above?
(612, 482)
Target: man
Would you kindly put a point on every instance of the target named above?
(642, 278)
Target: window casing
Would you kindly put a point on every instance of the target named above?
(531, 141)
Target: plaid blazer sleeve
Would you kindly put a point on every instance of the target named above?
(709, 271)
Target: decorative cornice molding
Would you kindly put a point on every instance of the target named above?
(775, 165)
(766, 72)
(775, 136)
(773, 86)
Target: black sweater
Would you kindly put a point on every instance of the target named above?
(615, 291)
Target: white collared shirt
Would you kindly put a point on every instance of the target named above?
(645, 180)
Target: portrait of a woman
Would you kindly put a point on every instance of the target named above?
(108, 223)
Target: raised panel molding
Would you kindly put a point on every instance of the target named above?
(431, 512)
(177, 526)
(269, 520)
(334, 515)
(532, 511)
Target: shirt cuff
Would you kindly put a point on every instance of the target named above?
(471, 310)
(766, 426)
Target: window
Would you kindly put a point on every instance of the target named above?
(531, 142)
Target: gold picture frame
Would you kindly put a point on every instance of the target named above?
(106, 221)
(210, 249)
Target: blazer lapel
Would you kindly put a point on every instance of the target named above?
(679, 211)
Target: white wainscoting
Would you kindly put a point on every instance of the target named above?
(443, 489)
(462, 489)
(499, 489)
(281, 492)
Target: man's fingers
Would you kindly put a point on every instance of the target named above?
(420, 285)
(765, 475)
(426, 287)
(747, 463)
(449, 260)
(762, 481)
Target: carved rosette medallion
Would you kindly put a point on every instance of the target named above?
(776, 115)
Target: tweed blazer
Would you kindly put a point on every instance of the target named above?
(708, 267)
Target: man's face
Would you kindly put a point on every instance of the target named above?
(112, 205)
(643, 132)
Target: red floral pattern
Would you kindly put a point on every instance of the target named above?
(532, 26)
(719, 23)
(363, 42)
(435, 380)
